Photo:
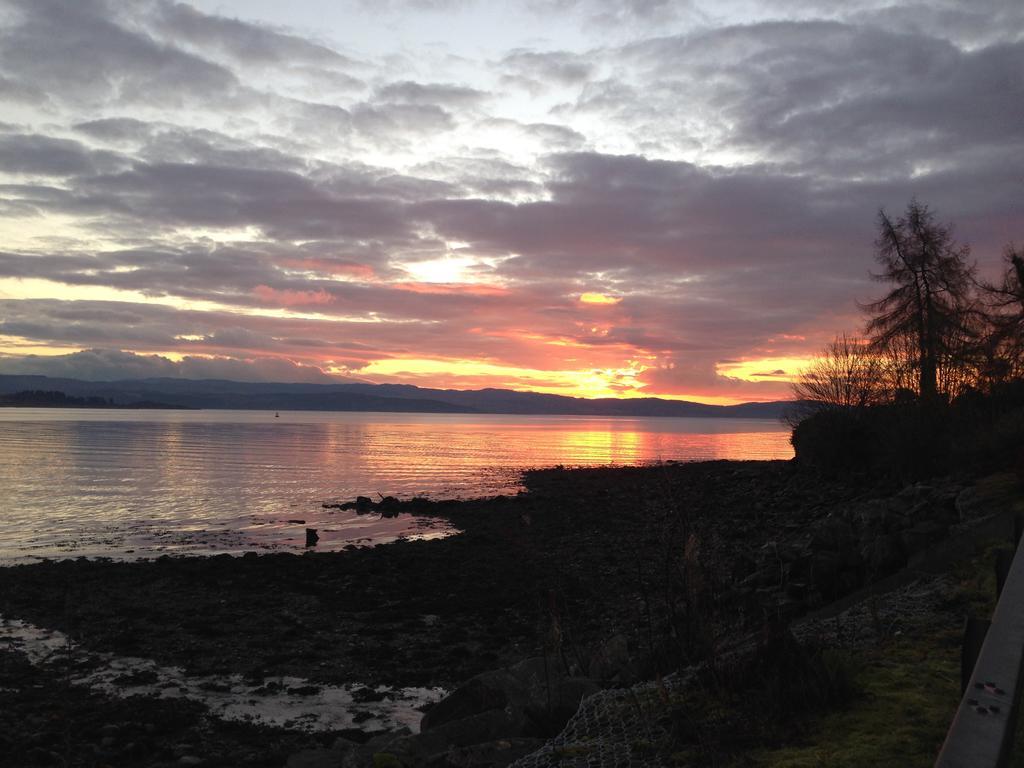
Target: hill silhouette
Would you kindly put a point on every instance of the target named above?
(356, 396)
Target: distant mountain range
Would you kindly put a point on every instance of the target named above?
(36, 398)
(402, 398)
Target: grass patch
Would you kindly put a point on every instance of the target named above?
(909, 690)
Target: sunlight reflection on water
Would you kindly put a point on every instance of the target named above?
(143, 483)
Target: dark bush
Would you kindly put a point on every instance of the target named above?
(887, 442)
(783, 678)
(834, 442)
(911, 440)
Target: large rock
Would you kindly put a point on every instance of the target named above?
(778, 552)
(430, 750)
(378, 751)
(612, 662)
(910, 497)
(489, 727)
(342, 753)
(554, 694)
(869, 518)
(534, 698)
(314, 758)
(922, 536)
(496, 689)
(492, 725)
(825, 568)
(970, 504)
(493, 754)
(832, 533)
(882, 556)
(780, 605)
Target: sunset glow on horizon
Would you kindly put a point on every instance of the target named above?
(591, 199)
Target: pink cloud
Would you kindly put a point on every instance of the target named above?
(330, 267)
(288, 298)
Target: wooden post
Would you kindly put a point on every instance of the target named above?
(975, 630)
(1004, 559)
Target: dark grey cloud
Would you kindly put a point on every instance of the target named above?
(555, 137)
(247, 42)
(321, 81)
(974, 24)
(409, 92)
(283, 204)
(614, 13)
(546, 67)
(13, 91)
(423, 5)
(634, 215)
(827, 96)
(90, 58)
(389, 126)
(173, 144)
(401, 119)
(45, 156)
(112, 364)
(117, 129)
(481, 176)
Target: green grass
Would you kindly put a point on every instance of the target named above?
(909, 689)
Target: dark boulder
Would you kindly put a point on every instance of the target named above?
(825, 568)
(554, 692)
(921, 536)
(389, 506)
(496, 689)
(832, 533)
(612, 662)
(493, 754)
(882, 556)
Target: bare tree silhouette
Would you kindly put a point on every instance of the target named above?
(846, 375)
(930, 301)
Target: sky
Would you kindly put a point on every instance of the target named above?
(598, 198)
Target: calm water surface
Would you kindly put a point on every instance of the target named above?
(144, 483)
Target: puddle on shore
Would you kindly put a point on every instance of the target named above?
(285, 702)
(144, 538)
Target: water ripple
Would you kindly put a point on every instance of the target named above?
(144, 483)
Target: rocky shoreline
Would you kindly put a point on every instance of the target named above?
(563, 580)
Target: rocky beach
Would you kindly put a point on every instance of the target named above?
(542, 599)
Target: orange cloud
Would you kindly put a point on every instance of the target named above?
(471, 289)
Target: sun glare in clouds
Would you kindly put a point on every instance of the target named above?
(467, 374)
(781, 369)
(471, 374)
(599, 298)
(17, 345)
(447, 269)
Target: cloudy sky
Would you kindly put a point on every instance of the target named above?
(589, 197)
